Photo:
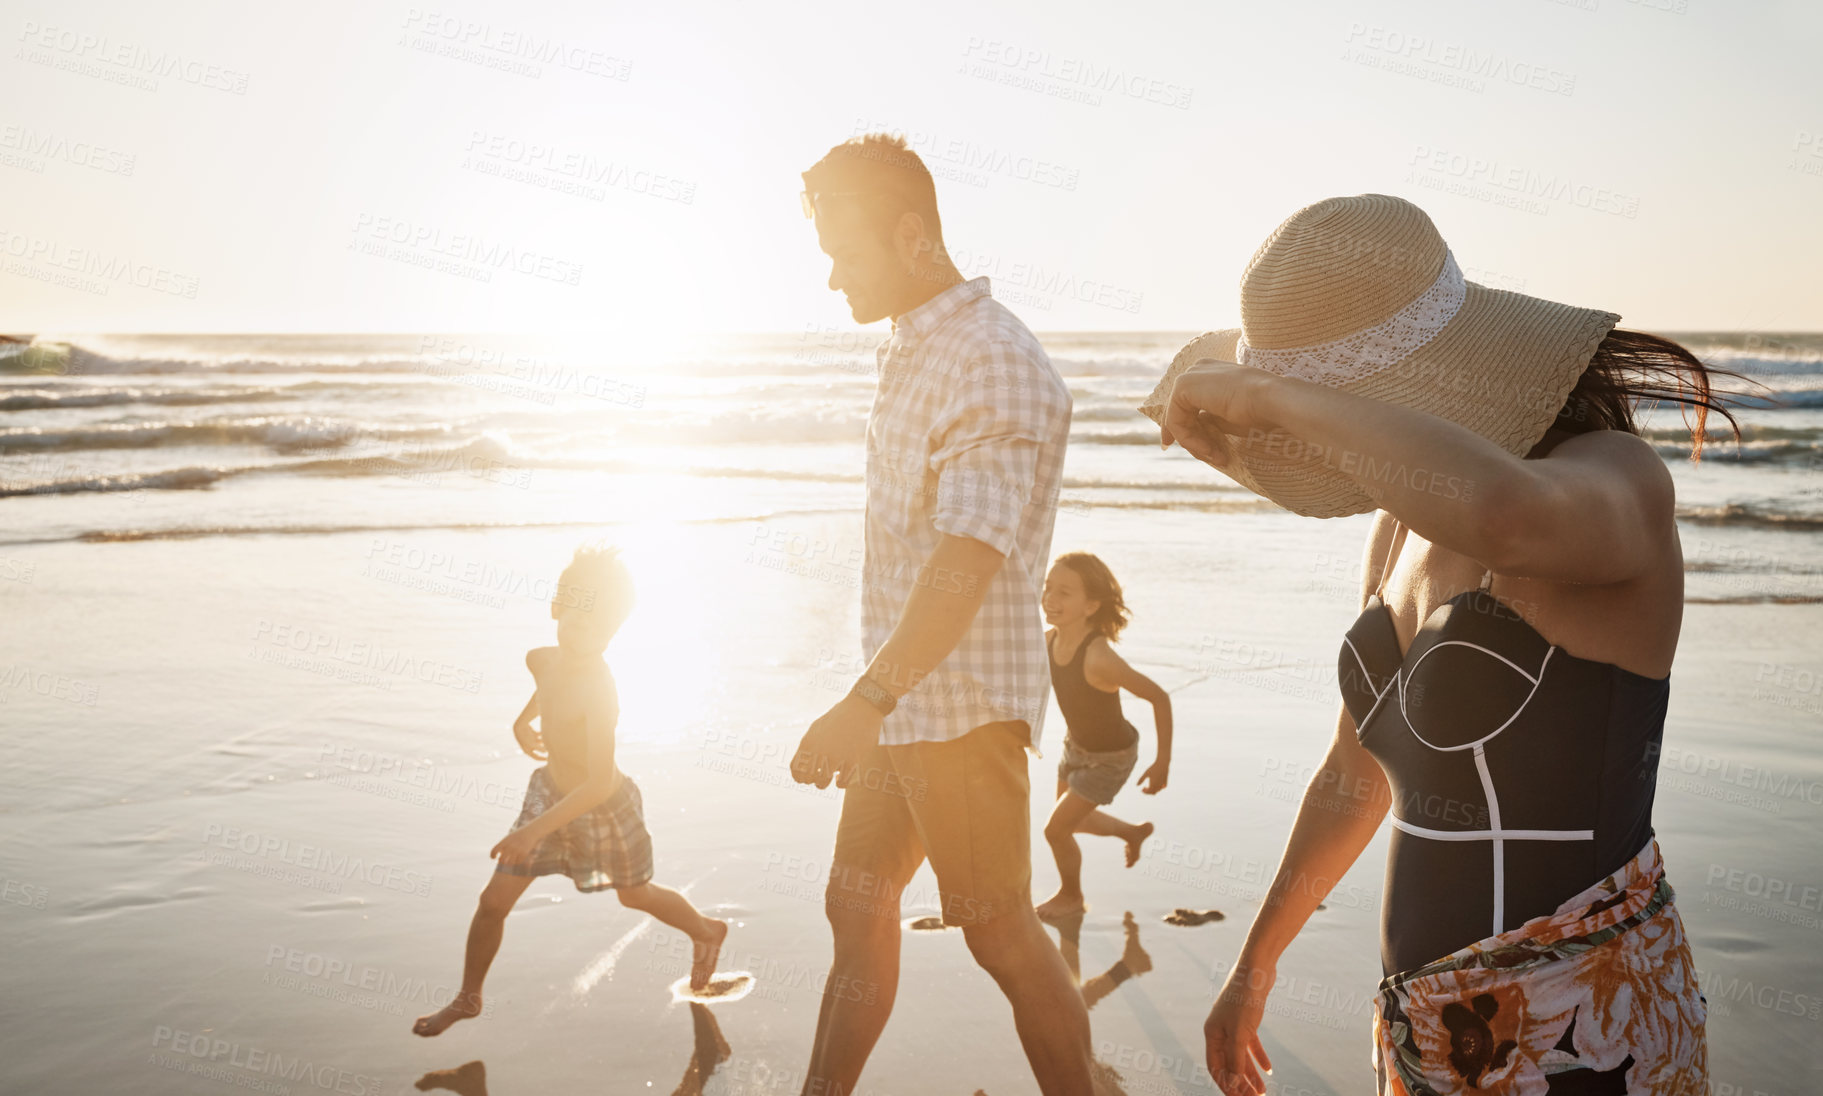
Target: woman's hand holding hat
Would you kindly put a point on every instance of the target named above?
(1212, 402)
(1361, 296)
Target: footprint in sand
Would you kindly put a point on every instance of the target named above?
(722, 988)
(924, 924)
(1188, 918)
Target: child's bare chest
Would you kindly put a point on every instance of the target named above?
(567, 701)
(560, 699)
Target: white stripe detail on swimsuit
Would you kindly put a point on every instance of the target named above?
(1489, 737)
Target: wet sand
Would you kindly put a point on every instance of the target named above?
(235, 862)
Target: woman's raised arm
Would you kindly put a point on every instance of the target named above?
(1595, 511)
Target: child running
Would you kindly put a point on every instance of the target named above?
(582, 816)
(1083, 604)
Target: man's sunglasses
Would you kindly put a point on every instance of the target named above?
(812, 200)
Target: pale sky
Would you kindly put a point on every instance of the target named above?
(333, 167)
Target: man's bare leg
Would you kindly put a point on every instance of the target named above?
(672, 908)
(1048, 1009)
(484, 933)
(863, 980)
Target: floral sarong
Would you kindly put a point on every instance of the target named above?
(1600, 996)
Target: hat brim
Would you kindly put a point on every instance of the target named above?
(1502, 367)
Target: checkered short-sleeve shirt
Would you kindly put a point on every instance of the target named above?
(966, 437)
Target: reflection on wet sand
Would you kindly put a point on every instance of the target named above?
(1134, 960)
(467, 1079)
(708, 1051)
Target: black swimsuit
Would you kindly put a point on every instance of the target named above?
(1520, 774)
(1092, 715)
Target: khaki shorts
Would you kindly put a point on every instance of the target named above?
(1097, 777)
(965, 803)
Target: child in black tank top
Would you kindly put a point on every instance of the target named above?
(1083, 604)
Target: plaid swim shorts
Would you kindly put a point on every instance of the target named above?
(604, 848)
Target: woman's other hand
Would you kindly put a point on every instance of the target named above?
(1231, 1034)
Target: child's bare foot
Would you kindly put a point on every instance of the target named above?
(707, 951)
(1060, 905)
(461, 1007)
(1140, 833)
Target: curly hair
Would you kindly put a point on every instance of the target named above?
(1099, 584)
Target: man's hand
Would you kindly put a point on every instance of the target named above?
(515, 848)
(530, 741)
(1152, 781)
(833, 744)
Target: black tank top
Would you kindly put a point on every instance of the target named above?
(1092, 715)
(1520, 774)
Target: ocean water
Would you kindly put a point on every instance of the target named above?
(266, 602)
(157, 435)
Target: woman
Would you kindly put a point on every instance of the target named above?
(1504, 687)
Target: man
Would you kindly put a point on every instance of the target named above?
(965, 452)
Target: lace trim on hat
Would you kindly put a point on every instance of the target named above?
(1364, 353)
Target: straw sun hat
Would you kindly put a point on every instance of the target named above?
(1362, 294)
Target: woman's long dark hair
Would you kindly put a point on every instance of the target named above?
(1632, 368)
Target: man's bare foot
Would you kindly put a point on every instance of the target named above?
(461, 1007)
(1060, 905)
(702, 963)
(1140, 833)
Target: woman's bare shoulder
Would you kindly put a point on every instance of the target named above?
(1623, 454)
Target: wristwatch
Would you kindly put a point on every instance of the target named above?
(875, 694)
